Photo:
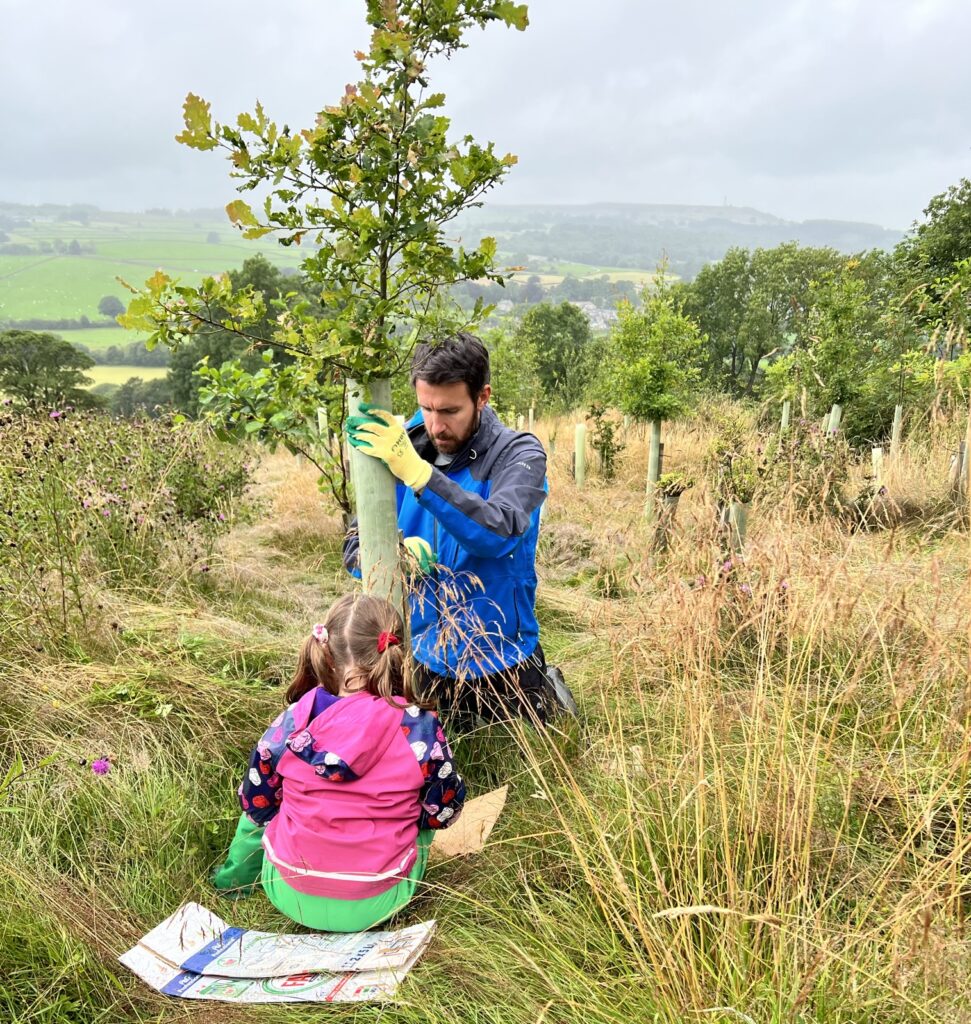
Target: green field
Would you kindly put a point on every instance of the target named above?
(99, 338)
(56, 286)
(120, 374)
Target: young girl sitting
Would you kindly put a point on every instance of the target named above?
(345, 786)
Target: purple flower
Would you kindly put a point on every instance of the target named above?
(55, 415)
(701, 580)
(101, 767)
(784, 585)
(745, 588)
(728, 566)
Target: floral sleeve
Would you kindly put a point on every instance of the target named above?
(261, 790)
(443, 792)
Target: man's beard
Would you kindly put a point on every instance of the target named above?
(449, 446)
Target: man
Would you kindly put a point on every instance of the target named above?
(469, 498)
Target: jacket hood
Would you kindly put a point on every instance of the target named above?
(358, 729)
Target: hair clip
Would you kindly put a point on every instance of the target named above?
(320, 633)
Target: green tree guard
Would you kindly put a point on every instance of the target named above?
(653, 470)
(580, 456)
(377, 512)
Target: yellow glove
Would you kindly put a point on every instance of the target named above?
(381, 436)
(421, 551)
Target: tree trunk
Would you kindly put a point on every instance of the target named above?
(750, 384)
(898, 429)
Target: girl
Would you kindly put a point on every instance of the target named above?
(344, 787)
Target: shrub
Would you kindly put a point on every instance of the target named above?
(87, 500)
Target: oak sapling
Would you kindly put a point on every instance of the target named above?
(373, 185)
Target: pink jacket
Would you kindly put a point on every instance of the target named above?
(345, 792)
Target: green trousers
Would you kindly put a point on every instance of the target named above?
(246, 865)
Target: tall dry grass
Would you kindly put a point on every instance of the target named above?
(760, 815)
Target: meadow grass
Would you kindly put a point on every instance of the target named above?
(759, 816)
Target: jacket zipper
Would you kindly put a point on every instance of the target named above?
(438, 605)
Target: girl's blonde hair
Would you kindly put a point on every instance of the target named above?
(364, 633)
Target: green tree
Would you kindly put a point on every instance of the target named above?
(533, 292)
(40, 371)
(566, 354)
(373, 183)
(137, 397)
(753, 307)
(850, 350)
(942, 238)
(655, 351)
(513, 363)
(215, 345)
(111, 306)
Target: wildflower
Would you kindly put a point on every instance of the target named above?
(784, 585)
(222, 517)
(101, 767)
(55, 415)
(701, 580)
(745, 589)
(728, 566)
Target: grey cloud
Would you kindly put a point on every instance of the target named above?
(833, 108)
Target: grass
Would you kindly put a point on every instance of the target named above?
(759, 817)
(52, 286)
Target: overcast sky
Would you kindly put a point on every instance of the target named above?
(850, 109)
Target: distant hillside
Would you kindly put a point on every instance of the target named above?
(637, 235)
(58, 262)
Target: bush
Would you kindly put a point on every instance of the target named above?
(808, 467)
(88, 500)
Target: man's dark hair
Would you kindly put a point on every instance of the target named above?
(459, 359)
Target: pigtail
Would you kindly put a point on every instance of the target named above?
(315, 667)
(391, 676)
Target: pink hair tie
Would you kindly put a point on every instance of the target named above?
(320, 633)
(386, 640)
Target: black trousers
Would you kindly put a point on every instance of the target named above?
(521, 691)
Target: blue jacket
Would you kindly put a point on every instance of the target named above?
(475, 612)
